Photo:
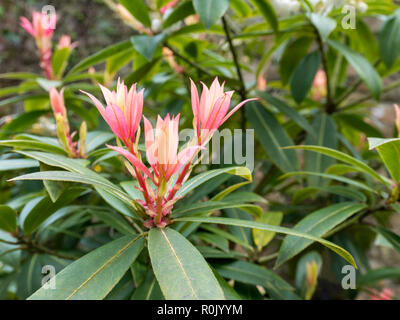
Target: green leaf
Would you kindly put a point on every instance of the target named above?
(349, 181)
(47, 84)
(116, 203)
(180, 269)
(27, 97)
(268, 12)
(346, 158)
(33, 145)
(272, 137)
(362, 66)
(101, 56)
(182, 11)
(250, 273)
(112, 219)
(138, 9)
(214, 240)
(210, 11)
(325, 25)
(79, 178)
(391, 237)
(389, 39)
(210, 206)
(147, 45)
(140, 73)
(46, 207)
(21, 123)
(93, 276)
(325, 128)
(228, 235)
(287, 110)
(8, 219)
(304, 288)
(15, 164)
(59, 61)
(317, 224)
(293, 54)
(389, 151)
(95, 139)
(205, 176)
(303, 77)
(376, 275)
(229, 292)
(261, 226)
(263, 237)
(149, 289)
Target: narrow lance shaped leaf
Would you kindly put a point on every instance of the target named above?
(317, 224)
(180, 269)
(8, 219)
(389, 151)
(325, 128)
(210, 11)
(346, 158)
(93, 276)
(261, 226)
(268, 12)
(274, 137)
(362, 66)
(303, 76)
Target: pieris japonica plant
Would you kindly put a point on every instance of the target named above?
(100, 190)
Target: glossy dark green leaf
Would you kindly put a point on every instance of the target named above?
(325, 25)
(138, 9)
(15, 164)
(182, 11)
(246, 272)
(94, 275)
(303, 77)
(287, 110)
(293, 54)
(201, 178)
(362, 66)
(272, 137)
(268, 12)
(46, 207)
(100, 56)
(360, 165)
(59, 61)
(149, 289)
(376, 275)
(317, 224)
(210, 11)
(147, 45)
(8, 219)
(261, 226)
(389, 39)
(325, 128)
(389, 151)
(180, 269)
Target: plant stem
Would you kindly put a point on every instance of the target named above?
(242, 90)
(394, 85)
(330, 106)
(11, 250)
(191, 63)
(268, 258)
(9, 242)
(353, 88)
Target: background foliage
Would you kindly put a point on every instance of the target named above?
(236, 235)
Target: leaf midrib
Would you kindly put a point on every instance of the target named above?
(180, 264)
(121, 251)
